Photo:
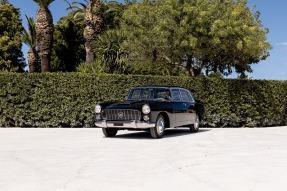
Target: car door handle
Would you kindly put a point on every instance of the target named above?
(184, 104)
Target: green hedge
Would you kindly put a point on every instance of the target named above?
(68, 99)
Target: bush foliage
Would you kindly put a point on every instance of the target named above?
(68, 99)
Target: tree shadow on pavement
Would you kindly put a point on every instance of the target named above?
(169, 133)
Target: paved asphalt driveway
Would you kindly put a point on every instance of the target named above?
(82, 159)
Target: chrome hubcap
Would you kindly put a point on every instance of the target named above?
(160, 126)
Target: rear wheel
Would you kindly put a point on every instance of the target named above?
(109, 132)
(194, 127)
(158, 130)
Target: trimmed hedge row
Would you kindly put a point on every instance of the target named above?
(68, 99)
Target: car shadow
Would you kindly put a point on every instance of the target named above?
(169, 133)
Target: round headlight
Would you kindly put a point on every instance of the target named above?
(98, 109)
(146, 109)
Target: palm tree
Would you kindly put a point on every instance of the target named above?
(96, 15)
(44, 33)
(29, 38)
(93, 27)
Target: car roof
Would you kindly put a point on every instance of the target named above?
(158, 87)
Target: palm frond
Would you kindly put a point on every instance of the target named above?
(74, 7)
(69, 5)
(80, 16)
(29, 36)
(26, 38)
(79, 10)
(82, 4)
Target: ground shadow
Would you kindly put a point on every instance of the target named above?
(169, 133)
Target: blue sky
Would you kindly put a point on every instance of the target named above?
(273, 16)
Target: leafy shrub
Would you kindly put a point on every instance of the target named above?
(68, 99)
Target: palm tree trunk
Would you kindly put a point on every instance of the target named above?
(32, 60)
(93, 22)
(44, 36)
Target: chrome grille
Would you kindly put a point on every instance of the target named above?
(121, 115)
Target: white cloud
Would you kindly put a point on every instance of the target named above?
(282, 44)
(282, 73)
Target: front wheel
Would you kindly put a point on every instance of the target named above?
(194, 127)
(158, 130)
(109, 132)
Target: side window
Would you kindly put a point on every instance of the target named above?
(163, 94)
(175, 94)
(185, 95)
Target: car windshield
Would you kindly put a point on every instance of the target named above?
(149, 93)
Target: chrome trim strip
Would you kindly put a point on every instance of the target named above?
(126, 124)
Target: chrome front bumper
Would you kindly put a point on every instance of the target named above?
(125, 124)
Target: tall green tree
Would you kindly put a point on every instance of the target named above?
(68, 48)
(11, 56)
(211, 35)
(4, 2)
(112, 13)
(29, 38)
(44, 33)
(113, 59)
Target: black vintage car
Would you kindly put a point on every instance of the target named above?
(152, 108)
